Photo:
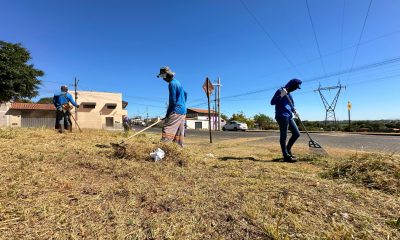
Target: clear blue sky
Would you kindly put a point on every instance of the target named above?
(119, 46)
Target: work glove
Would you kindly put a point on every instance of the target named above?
(283, 92)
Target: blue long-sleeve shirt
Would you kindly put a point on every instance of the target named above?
(283, 108)
(61, 98)
(177, 98)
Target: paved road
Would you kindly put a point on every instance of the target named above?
(387, 144)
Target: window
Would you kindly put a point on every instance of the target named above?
(89, 105)
(111, 105)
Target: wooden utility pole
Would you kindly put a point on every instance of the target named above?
(215, 111)
(218, 103)
(76, 100)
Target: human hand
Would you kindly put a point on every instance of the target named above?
(283, 92)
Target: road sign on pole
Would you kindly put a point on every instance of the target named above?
(208, 87)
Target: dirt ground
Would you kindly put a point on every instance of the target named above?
(73, 186)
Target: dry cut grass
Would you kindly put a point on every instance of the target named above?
(64, 187)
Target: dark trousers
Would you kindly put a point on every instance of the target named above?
(286, 123)
(62, 119)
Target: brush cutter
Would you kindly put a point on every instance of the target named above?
(313, 145)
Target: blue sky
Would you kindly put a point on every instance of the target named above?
(119, 46)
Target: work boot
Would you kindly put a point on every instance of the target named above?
(292, 155)
(289, 159)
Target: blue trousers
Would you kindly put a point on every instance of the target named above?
(286, 123)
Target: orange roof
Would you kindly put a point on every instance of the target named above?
(32, 106)
(198, 110)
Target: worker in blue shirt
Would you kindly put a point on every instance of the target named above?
(61, 102)
(284, 107)
(174, 121)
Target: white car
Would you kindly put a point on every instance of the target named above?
(235, 126)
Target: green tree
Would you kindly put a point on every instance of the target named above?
(18, 78)
(223, 116)
(240, 117)
(45, 100)
(264, 122)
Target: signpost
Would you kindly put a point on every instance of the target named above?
(208, 89)
(349, 108)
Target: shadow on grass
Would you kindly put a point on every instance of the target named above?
(231, 158)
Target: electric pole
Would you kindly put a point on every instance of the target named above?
(217, 99)
(76, 98)
(215, 111)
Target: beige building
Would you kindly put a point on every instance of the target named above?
(100, 110)
(97, 110)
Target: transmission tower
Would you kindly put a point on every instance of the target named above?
(330, 107)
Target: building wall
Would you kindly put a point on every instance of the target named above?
(96, 117)
(4, 118)
(191, 123)
(14, 118)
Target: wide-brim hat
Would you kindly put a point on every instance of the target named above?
(167, 70)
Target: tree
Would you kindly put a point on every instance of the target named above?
(263, 121)
(18, 79)
(240, 117)
(223, 116)
(45, 100)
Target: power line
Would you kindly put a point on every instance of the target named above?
(341, 34)
(361, 34)
(315, 37)
(360, 68)
(269, 36)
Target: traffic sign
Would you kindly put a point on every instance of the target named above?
(208, 84)
(349, 105)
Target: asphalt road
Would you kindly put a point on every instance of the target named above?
(373, 143)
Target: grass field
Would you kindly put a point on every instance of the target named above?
(57, 186)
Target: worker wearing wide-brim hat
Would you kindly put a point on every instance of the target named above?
(284, 107)
(174, 121)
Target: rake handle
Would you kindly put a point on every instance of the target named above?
(297, 115)
(80, 130)
(144, 129)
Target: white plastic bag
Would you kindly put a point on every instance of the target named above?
(158, 154)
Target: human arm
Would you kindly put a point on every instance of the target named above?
(71, 100)
(277, 96)
(172, 88)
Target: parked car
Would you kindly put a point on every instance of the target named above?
(235, 126)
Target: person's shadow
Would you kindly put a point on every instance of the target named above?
(240, 159)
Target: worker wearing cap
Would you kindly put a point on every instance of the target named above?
(284, 107)
(61, 102)
(174, 121)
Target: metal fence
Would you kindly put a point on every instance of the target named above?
(38, 122)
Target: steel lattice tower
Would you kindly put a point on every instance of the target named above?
(330, 107)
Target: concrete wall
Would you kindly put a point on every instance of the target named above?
(14, 118)
(96, 117)
(4, 118)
